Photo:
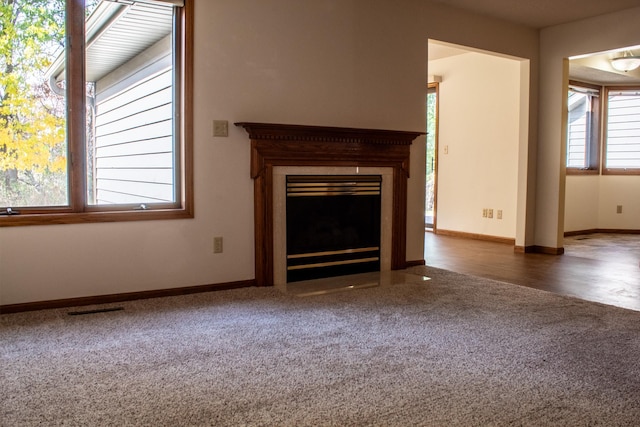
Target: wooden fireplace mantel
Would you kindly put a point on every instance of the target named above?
(298, 145)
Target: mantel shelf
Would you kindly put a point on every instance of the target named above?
(270, 131)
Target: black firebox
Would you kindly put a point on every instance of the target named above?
(333, 225)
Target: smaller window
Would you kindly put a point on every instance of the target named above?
(583, 129)
(622, 149)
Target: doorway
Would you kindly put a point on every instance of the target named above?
(482, 142)
(431, 160)
(600, 144)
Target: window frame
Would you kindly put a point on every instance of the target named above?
(607, 170)
(78, 210)
(595, 144)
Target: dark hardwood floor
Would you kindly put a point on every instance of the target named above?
(605, 270)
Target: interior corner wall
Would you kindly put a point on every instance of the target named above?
(478, 139)
(330, 63)
(592, 203)
(582, 200)
(525, 206)
(557, 43)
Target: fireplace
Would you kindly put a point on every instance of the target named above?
(278, 151)
(332, 225)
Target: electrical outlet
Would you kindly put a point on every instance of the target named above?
(220, 128)
(619, 209)
(490, 213)
(217, 245)
(484, 213)
(499, 214)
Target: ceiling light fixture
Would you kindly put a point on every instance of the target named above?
(626, 62)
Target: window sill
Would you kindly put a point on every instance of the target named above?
(573, 171)
(28, 219)
(621, 172)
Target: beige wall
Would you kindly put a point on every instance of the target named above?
(479, 124)
(582, 199)
(356, 63)
(591, 202)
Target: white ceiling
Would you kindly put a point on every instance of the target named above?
(439, 50)
(596, 68)
(542, 13)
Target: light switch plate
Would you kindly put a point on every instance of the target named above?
(220, 128)
(217, 245)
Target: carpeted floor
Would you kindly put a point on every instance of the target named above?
(452, 351)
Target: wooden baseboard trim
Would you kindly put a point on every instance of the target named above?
(535, 249)
(547, 250)
(600, 230)
(114, 298)
(475, 236)
(415, 263)
(579, 232)
(538, 250)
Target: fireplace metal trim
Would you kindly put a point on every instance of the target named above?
(333, 185)
(344, 251)
(332, 263)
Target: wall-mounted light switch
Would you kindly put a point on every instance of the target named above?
(220, 128)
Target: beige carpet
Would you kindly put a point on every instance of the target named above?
(452, 351)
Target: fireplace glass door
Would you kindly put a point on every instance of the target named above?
(333, 225)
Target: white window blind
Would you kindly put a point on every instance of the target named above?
(581, 129)
(623, 129)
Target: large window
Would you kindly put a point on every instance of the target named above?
(583, 128)
(97, 130)
(622, 147)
